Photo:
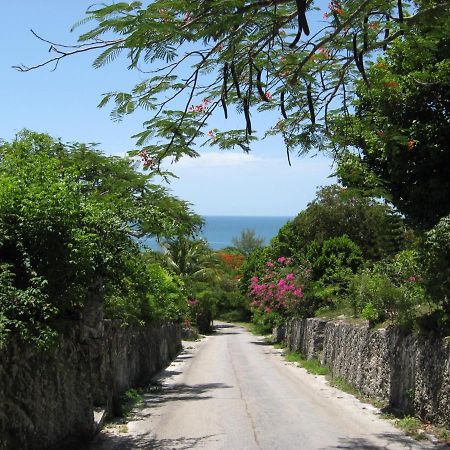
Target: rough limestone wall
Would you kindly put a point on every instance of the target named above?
(131, 359)
(47, 398)
(305, 336)
(411, 373)
(44, 395)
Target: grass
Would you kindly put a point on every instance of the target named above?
(411, 426)
(312, 366)
(253, 328)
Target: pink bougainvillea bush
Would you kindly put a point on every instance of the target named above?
(279, 292)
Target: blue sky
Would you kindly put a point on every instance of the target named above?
(64, 102)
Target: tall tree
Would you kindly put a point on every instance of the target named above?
(398, 138)
(247, 55)
(248, 241)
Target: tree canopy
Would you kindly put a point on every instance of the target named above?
(69, 218)
(289, 57)
(398, 137)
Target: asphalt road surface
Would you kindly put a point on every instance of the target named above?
(233, 391)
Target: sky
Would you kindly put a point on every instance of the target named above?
(64, 103)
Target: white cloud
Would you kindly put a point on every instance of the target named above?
(218, 159)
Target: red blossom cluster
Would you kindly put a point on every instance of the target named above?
(280, 288)
(232, 260)
(200, 108)
(146, 160)
(335, 7)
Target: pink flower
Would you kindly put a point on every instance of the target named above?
(290, 277)
(298, 293)
(267, 310)
(412, 279)
(269, 264)
(281, 259)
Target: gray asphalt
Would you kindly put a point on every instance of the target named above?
(232, 391)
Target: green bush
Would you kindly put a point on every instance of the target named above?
(437, 264)
(254, 265)
(374, 227)
(334, 258)
(69, 216)
(166, 294)
(390, 290)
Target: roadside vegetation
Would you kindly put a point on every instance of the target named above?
(70, 220)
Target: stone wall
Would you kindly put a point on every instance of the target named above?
(409, 372)
(47, 399)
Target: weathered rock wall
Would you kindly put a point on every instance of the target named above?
(411, 373)
(47, 399)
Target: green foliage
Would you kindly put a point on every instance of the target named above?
(437, 264)
(254, 265)
(332, 255)
(68, 220)
(242, 57)
(334, 263)
(372, 226)
(25, 311)
(166, 294)
(390, 290)
(400, 130)
(247, 242)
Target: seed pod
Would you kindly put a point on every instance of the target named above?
(302, 21)
(246, 105)
(282, 106)
(223, 98)
(365, 43)
(261, 92)
(310, 104)
(225, 81)
(235, 80)
(358, 57)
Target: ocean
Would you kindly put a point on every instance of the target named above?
(219, 231)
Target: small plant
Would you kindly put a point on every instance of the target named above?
(411, 426)
(312, 366)
(345, 386)
(129, 400)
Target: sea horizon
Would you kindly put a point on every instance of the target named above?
(219, 230)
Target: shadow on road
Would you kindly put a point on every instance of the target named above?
(263, 343)
(392, 439)
(148, 442)
(218, 330)
(177, 392)
(222, 326)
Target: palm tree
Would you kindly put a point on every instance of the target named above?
(190, 259)
(197, 265)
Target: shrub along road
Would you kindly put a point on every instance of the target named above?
(233, 391)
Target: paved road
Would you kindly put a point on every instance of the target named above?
(231, 391)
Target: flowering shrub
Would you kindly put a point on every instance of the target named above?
(391, 290)
(232, 260)
(278, 293)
